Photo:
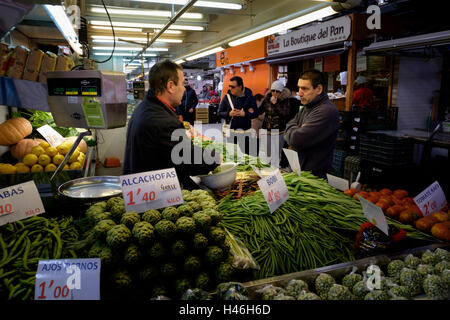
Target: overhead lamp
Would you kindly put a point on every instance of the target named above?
(199, 78)
(231, 71)
(146, 25)
(129, 48)
(62, 22)
(123, 54)
(250, 67)
(309, 17)
(207, 4)
(141, 39)
(242, 69)
(118, 29)
(146, 13)
(204, 53)
(180, 61)
(169, 31)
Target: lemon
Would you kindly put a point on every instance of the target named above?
(74, 156)
(37, 168)
(58, 159)
(66, 167)
(8, 169)
(50, 167)
(44, 144)
(22, 168)
(37, 150)
(44, 160)
(81, 158)
(51, 151)
(30, 159)
(64, 148)
(75, 166)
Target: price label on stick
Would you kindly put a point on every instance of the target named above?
(374, 214)
(68, 279)
(337, 183)
(292, 157)
(19, 202)
(432, 199)
(151, 190)
(52, 136)
(274, 190)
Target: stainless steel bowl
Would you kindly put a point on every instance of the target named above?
(90, 188)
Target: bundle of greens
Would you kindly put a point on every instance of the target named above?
(39, 118)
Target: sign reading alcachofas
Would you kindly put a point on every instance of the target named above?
(332, 31)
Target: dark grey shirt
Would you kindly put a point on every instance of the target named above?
(312, 133)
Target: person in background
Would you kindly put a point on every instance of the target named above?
(362, 96)
(313, 131)
(257, 122)
(187, 107)
(149, 135)
(204, 94)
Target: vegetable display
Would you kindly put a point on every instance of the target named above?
(14, 130)
(23, 244)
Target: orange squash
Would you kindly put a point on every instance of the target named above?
(23, 147)
(14, 130)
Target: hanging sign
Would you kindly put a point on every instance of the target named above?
(318, 64)
(432, 199)
(151, 190)
(19, 202)
(327, 32)
(68, 279)
(361, 62)
(274, 190)
(374, 214)
(52, 136)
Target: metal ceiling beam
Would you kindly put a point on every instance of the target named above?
(171, 21)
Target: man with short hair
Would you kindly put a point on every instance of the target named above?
(149, 135)
(187, 107)
(313, 131)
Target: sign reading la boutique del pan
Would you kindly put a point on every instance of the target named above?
(335, 30)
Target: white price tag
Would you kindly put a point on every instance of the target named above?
(151, 190)
(337, 183)
(374, 214)
(68, 279)
(19, 202)
(292, 157)
(432, 199)
(51, 135)
(274, 190)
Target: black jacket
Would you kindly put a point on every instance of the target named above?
(149, 144)
(276, 115)
(312, 133)
(246, 101)
(189, 101)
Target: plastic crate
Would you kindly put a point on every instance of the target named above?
(387, 150)
(338, 161)
(351, 167)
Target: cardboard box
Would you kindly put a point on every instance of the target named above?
(16, 64)
(33, 65)
(64, 63)
(5, 54)
(48, 64)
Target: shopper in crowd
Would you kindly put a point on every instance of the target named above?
(313, 131)
(204, 94)
(257, 122)
(362, 96)
(149, 135)
(187, 107)
(276, 109)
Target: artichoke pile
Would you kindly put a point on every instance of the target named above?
(161, 252)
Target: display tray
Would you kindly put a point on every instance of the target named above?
(337, 271)
(97, 187)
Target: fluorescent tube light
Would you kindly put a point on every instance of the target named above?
(204, 53)
(105, 39)
(207, 4)
(146, 13)
(118, 29)
(60, 19)
(146, 25)
(307, 18)
(123, 54)
(180, 61)
(129, 48)
(170, 31)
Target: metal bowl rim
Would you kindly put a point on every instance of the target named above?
(95, 180)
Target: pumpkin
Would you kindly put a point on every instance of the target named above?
(23, 147)
(82, 146)
(14, 130)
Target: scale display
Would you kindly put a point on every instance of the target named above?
(74, 87)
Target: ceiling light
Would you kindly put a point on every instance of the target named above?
(123, 54)
(118, 29)
(146, 25)
(169, 31)
(207, 4)
(147, 13)
(60, 19)
(130, 48)
(180, 61)
(204, 53)
(139, 39)
(309, 17)
(199, 78)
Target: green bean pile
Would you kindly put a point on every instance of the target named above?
(23, 243)
(297, 236)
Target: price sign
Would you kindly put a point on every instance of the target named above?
(337, 183)
(274, 190)
(69, 279)
(151, 190)
(53, 138)
(374, 214)
(292, 157)
(19, 202)
(432, 199)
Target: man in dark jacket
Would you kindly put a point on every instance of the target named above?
(187, 107)
(313, 131)
(244, 105)
(149, 135)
